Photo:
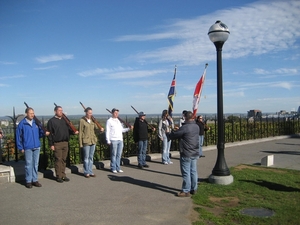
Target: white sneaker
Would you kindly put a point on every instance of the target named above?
(114, 171)
(170, 162)
(166, 163)
(120, 171)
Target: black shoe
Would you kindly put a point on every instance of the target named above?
(59, 180)
(140, 166)
(192, 192)
(28, 185)
(202, 156)
(147, 166)
(36, 184)
(65, 179)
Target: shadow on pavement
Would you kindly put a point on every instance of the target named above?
(143, 183)
(283, 152)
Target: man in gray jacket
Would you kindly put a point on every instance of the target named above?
(189, 154)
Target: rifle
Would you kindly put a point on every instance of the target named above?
(122, 121)
(144, 120)
(94, 119)
(68, 122)
(37, 121)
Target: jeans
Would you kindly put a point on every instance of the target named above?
(142, 152)
(188, 167)
(116, 148)
(166, 149)
(201, 139)
(88, 162)
(31, 164)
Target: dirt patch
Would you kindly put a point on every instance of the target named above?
(225, 202)
(243, 166)
(193, 216)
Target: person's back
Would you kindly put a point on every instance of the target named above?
(189, 142)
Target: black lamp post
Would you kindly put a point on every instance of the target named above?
(218, 34)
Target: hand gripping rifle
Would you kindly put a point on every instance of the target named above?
(37, 121)
(94, 119)
(122, 121)
(68, 122)
(144, 120)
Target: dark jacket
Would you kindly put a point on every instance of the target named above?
(27, 136)
(59, 130)
(202, 127)
(189, 139)
(140, 130)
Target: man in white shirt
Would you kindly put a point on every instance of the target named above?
(114, 137)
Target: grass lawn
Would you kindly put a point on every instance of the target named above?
(253, 187)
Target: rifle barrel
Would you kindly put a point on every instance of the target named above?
(68, 122)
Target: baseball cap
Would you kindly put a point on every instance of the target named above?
(142, 114)
(114, 109)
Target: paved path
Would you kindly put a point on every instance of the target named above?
(133, 197)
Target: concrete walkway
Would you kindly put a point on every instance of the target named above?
(134, 197)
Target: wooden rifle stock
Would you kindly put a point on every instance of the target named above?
(68, 122)
(127, 124)
(144, 120)
(37, 121)
(94, 119)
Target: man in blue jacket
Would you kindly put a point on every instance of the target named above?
(28, 142)
(189, 153)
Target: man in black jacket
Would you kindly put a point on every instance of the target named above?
(58, 141)
(189, 153)
(140, 136)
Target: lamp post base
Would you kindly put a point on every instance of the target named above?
(225, 180)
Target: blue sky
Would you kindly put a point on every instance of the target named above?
(120, 53)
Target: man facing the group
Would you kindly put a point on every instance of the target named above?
(189, 154)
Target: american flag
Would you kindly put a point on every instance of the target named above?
(197, 92)
(171, 94)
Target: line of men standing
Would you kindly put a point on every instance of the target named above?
(58, 132)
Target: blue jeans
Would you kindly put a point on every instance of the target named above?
(116, 148)
(201, 139)
(31, 164)
(88, 161)
(188, 167)
(166, 149)
(142, 152)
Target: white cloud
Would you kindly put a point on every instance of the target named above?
(121, 73)
(7, 63)
(285, 85)
(11, 77)
(145, 83)
(45, 68)
(53, 58)
(258, 28)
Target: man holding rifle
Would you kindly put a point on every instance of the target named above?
(140, 136)
(114, 138)
(28, 142)
(58, 141)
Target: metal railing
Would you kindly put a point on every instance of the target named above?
(235, 131)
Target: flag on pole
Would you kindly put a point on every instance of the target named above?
(197, 93)
(171, 94)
